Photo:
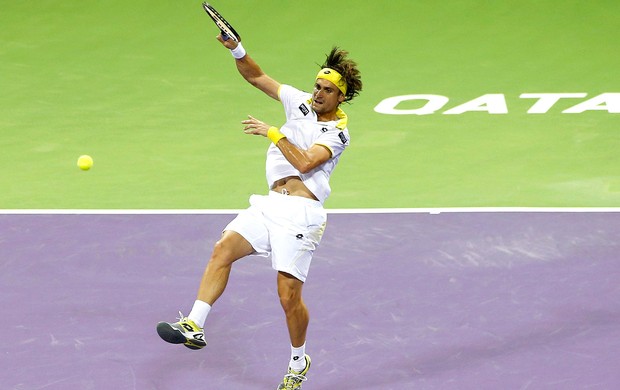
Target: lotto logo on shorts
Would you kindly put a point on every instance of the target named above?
(304, 110)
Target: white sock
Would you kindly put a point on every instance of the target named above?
(199, 313)
(298, 360)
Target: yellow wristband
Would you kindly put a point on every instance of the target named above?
(274, 135)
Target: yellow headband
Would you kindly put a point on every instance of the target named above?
(335, 77)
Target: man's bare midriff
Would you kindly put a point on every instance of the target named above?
(292, 185)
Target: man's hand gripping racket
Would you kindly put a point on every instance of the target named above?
(228, 32)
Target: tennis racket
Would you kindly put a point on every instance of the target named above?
(228, 32)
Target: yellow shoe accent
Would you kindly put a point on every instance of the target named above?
(185, 332)
(293, 379)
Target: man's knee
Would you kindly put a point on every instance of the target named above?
(289, 291)
(222, 254)
(229, 248)
(290, 302)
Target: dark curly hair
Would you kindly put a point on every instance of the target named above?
(337, 60)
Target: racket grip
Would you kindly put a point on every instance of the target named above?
(225, 36)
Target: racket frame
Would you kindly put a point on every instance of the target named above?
(227, 30)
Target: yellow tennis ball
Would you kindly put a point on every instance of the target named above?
(85, 162)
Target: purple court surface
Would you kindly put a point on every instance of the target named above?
(456, 300)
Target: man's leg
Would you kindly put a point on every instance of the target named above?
(230, 248)
(188, 331)
(297, 317)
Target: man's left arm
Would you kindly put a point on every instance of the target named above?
(303, 160)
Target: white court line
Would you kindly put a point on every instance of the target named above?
(478, 210)
(329, 211)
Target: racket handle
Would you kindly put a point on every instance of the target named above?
(225, 36)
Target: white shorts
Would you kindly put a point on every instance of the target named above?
(289, 228)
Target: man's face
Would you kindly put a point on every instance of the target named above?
(326, 97)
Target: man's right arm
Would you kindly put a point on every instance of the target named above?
(250, 71)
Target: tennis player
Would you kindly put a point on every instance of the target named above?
(287, 223)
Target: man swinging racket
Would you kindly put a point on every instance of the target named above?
(288, 223)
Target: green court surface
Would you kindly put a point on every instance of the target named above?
(146, 90)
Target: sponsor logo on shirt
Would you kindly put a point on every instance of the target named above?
(343, 137)
(304, 110)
